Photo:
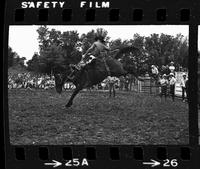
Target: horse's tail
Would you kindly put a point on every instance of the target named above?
(126, 50)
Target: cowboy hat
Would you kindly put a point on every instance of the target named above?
(99, 37)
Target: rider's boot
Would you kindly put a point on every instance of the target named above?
(71, 76)
(75, 68)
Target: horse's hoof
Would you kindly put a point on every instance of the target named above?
(68, 105)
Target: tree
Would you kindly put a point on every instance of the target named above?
(10, 57)
(153, 50)
(70, 43)
(33, 63)
(54, 37)
(181, 51)
(139, 58)
(14, 59)
(52, 58)
(43, 35)
(57, 50)
(163, 49)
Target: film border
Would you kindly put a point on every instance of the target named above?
(149, 9)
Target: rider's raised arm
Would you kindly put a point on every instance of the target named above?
(106, 48)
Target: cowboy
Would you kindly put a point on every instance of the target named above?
(112, 83)
(97, 50)
(164, 84)
(172, 82)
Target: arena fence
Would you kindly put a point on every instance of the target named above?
(148, 86)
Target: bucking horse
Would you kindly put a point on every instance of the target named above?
(94, 72)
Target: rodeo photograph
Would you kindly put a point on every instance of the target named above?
(98, 84)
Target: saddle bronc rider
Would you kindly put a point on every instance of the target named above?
(98, 50)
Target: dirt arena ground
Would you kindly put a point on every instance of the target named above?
(39, 117)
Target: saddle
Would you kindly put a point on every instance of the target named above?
(97, 61)
(94, 62)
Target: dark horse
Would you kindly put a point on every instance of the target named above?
(94, 73)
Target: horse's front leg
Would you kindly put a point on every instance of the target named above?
(75, 92)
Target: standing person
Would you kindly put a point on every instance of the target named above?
(162, 70)
(167, 70)
(164, 84)
(111, 82)
(172, 67)
(126, 82)
(121, 82)
(183, 86)
(172, 82)
(154, 71)
(186, 85)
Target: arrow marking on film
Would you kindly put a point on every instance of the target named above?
(153, 163)
(55, 163)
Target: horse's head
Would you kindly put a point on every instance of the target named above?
(59, 82)
(61, 76)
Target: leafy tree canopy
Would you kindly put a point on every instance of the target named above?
(58, 50)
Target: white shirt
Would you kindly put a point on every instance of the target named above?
(112, 79)
(163, 82)
(183, 82)
(171, 68)
(154, 70)
(172, 81)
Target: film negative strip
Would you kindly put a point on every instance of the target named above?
(101, 84)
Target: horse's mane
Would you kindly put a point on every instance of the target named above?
(125, 50)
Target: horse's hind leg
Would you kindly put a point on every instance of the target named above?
(70, 102)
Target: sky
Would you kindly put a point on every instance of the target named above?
(23, 38)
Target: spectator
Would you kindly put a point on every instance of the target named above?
(126, 82)
(172, 82)
(121, 83)
(165, 70)
(154, 70)
(155, 73)
(183, 86)
(162, 70)
(164, 84)
(112, 81)
(186, 85)
(26, 80)
(172, 67)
